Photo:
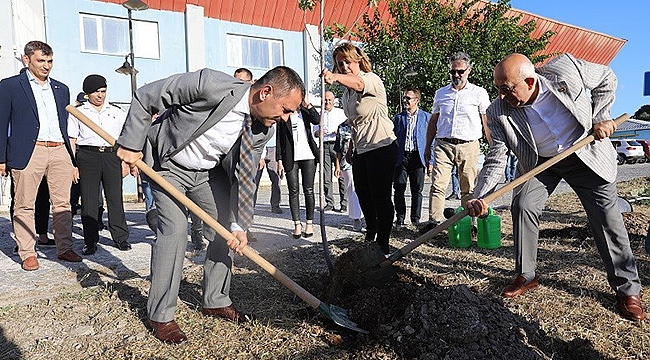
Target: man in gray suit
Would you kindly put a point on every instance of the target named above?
(538, 114)
(196, 148)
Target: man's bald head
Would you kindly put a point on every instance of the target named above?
(516, 80)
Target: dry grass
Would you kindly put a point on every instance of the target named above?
(447, 297)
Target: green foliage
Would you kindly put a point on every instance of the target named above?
(643, 113)
(424, 33)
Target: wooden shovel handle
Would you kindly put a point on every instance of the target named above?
(496, 194)
(207, 219)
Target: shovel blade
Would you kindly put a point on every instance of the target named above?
(340, 317)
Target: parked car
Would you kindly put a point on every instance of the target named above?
(646, 149)
(629, 151)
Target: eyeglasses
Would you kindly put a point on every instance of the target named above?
(507, 90)
(408, 98)
(457, 71)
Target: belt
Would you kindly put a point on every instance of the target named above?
(97, 148)
(49, 143)
(456, 141)
(329, 142)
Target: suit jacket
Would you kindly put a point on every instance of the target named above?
(19, 122)
(284, 140)
(191, 103)
(587, 91)
(401, 124)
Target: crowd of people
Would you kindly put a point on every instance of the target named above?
(210, 135)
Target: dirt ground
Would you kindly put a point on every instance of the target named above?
(444, 305)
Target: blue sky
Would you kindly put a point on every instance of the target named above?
(624, 19)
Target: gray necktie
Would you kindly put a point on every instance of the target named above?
(246, 171)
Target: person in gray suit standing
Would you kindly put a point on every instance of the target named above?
(538, 114)
(196, 148)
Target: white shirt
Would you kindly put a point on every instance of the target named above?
(301, 149)
(48, 115)
(110, 118)
(205, 152)
(460, 111)
(553, 126)
(409, 143)
(332, 119)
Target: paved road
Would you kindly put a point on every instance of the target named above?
(273, 232)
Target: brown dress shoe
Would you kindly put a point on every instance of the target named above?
(30, 264)
(518, 287)
(168, 332)
(228, 312)
(629, 306)
(70, 256)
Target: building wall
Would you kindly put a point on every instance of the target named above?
(177, 54)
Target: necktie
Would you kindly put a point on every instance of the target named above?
(246, 171)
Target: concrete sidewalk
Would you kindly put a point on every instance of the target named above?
(273, 232)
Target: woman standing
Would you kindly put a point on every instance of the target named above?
(344, 169)
(297, 151)
(374, 148)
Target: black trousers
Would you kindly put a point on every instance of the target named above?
(373, 177)
(410, 169)
(307, 169)
(104, 167)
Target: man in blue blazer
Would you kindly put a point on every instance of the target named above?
(34, 143)
(411, 130)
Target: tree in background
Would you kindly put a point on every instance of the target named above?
(422, 34)
(643, 113)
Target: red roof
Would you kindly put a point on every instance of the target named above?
(285, 14)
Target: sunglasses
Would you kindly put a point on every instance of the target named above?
(408, 98)
(507, 90)
(457, 71)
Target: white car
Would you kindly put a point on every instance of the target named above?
(629, 151)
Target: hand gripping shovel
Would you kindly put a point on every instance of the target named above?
(335, 313)
(493, 196)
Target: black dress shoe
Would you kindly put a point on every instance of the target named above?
(277, 210)
(328, 208)
(89, 249)
(49, 242)
(453, 196)
(123, 246)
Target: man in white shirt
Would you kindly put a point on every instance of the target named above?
(97, 163)
(456, 124)
(538, 114)
(333, 118)
(197, 148)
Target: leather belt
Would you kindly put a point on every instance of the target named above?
(49, 143)
(456, 141)
(97, 148)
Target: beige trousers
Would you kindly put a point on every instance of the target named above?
(55, 163)
(465, 157)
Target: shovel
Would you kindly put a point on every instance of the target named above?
(335, 313)
(491, 197)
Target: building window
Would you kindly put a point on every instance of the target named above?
(110, 35)
(253, 52)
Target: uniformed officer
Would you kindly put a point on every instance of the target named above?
(97, 163)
